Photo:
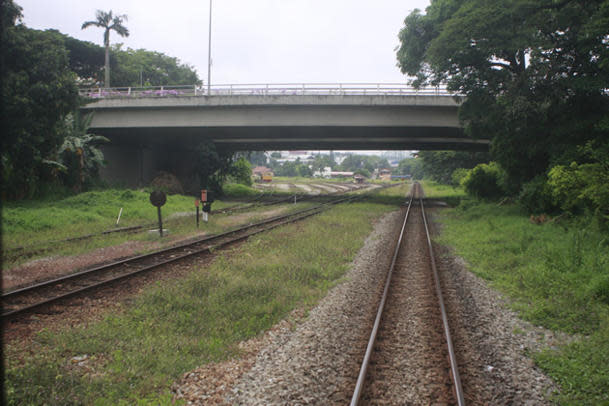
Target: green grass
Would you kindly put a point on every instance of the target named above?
(29, 222)
(43, 224)
(175, 326)
(236, 190)
(449, 194)
(557, 276)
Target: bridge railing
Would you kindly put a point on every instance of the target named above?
(275, 89)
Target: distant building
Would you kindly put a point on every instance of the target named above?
(385, 174)
(262, 173)
(334, 174)
(259, 170)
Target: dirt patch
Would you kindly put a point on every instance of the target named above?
(52, 267)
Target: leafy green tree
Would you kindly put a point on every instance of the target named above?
(38, 90)
(362, 171)
(129, 67)
(304, 170)
(440, 165)
(322, 161)
(257, 158)
(80, 153)
(109, 23)
(411, 166)
(534, 74)
(212, 165)
(241, 171)
(148, 68)
(86, 59)
(578, 187)
(368, 162)
(485, 181)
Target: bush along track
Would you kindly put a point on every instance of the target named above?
(557, 276)
(134, 355)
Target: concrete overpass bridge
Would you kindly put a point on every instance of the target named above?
(271, 117)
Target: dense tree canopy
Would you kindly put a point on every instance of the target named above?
(129, 67)
(440, 165)
(410, 166)
(322, 161)
(534, 73)
(40, 74)
(38, 90)
(368, 162)
(141, 67)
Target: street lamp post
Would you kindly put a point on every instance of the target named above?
(209, 55)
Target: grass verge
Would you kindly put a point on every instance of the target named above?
(557, 276)
(32, 222)
(41, 226)
(134, 355)
(449, 194)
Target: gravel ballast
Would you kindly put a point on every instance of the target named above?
(315, 358)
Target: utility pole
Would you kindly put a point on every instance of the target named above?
(209, 55)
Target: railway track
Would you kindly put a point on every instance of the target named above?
(260, 201)
(32, 297)
(410, 357)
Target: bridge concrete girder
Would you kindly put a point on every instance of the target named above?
(287, 121)
(152, 133)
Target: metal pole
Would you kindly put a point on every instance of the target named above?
(160, 221)
(209, 55)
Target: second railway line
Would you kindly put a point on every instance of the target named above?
(29, 298)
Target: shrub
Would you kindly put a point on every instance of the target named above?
(536, 196)
(241, 172)
(238, 190)
(458, 176)
(167, 183)
(484, 181)
(581, 187)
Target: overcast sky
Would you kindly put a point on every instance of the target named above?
(253, 41)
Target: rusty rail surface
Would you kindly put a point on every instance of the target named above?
(158, 258)
(17, 297)
(449, 342)
(458, 390)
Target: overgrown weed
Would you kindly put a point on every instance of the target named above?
(176, 326)
(557, 276)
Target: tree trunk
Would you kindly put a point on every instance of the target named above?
(107, 65)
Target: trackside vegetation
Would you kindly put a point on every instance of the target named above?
(32, 221)
(556, 274)
(134, 354)
(39, 228)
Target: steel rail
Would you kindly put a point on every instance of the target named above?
(26, 250)
(175, 247)
(151, 254)
(377, 321)
(284, 219)
(149, 268)
(449, 343)
(457, 387)
(258, 201)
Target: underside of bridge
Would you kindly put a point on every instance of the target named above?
(148, 135)
(299, 137)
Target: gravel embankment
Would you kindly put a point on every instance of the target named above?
(314, 359)
(491, 341)
(317, 362)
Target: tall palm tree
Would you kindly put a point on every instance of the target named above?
(108, 22)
